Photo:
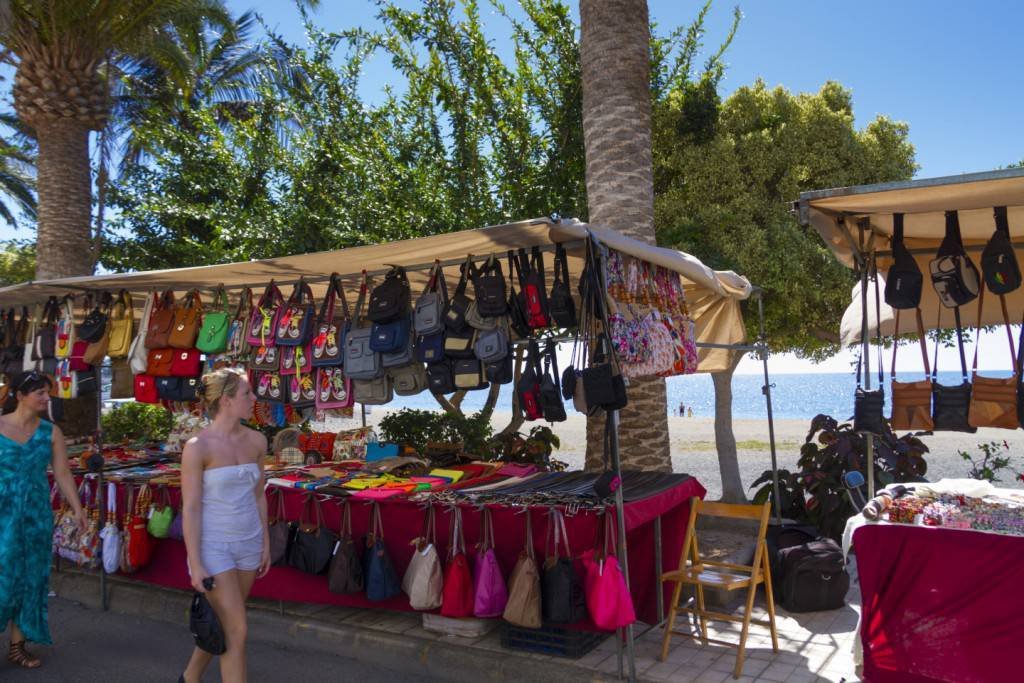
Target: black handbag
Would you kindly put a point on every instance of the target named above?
(94, 325)
(44, 345)
(563, 600)
(458, 306)
(430, 347)
(468, 374)
(313, 545)
(345, 575)
(954, 275)
(563, 308)
(391, 298)
(502, 371)
(489, 289)
(439, 378)
(459, 343)
(516, 314)
(999, 261)
(951, 405)
(869, 404)
(603, 383)
(904, 280)
(550, 391)
(204, 624)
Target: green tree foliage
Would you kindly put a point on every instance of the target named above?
(726, 197)
(17, 262)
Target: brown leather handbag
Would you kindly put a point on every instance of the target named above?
(161, 322)
(187, 320)
(993, 399)
(911, 401)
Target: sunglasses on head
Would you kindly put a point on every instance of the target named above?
(32, 376)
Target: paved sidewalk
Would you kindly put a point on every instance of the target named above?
(812, 647)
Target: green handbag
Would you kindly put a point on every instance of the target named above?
(213, 335)
(161, 515)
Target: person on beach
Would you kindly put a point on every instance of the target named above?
(689, 412)
(682, 409)
(28, 443)
(225, 515)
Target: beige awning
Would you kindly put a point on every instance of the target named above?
(859, 219)
(713, 296)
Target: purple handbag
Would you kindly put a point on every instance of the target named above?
(177, 528)
(491, 593)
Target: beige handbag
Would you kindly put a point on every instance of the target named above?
(423, 580)
(993, 399)
(121, 319)
(138, 354)
(911, 401)
(121, 384)
(523, 607)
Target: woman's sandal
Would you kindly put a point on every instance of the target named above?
(19, 656)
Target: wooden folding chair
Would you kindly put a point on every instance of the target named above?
(721, 575)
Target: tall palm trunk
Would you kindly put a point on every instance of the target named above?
(725, 439)
(64, 242)
(615, 40)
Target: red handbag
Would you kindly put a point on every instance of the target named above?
(77, 358)
(139, 544)
(457, 595)
(321, 442)
(145, 389)
(185, 363)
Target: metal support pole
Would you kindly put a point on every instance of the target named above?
(362, 410)
(658, 569)
(767, 391)
(865, 355)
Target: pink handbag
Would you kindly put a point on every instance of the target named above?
(333, 389)
(491, 593)
(608, 600)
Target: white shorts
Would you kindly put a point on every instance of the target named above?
(221, 557)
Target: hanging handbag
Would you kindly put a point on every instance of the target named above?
(65, 329)
(334, 389)
(345, 574)
(1019, 368)
(439, 378)
(409, 380)
(560, 301)
(313, 544)
(532, 289)
(263, 318)
(523, 607)
(302, 391)
(145, 389)
(490, 594)
(459, 343)
(904, 280)
(267, 358)
(94, 322)
(278, 528)
(99, 346)
(993, 399)
(951, 404)
(213, 334)
(161, 322)
(457, 593)
(329, 340)
(111, 535)
(390, 299)
(501, 372)
(35, 320)
(373, 392)
(185, 363)
(478, 321)
(120, 379)
(394, 341)
(187, 318)
(999, 260)
(361, 361)
(492, 346)
(381, 580)
(458, 306)
(167, 388)
(161, 514)
(294, 325)
(237, 344)
(67, 380)
(609, 602)
(550, 393)
(489, 289)
(432, 304)
(911, 401)
(77, 357)
(430, 348)
(138, 546)
(270, 387)
(954, 275)
(562, 597)
(423, 580)
(869, 404)
(528, 387)
(45, 343)
(602, 383)
(138, 354)
(295, 359)
(516, 315)
(468, 374)
(122, 318)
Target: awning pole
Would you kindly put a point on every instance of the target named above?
(767, 391)
(865, 354)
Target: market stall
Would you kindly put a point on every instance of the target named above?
(940, 592)
(639, 311)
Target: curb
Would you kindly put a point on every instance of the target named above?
(404, 654)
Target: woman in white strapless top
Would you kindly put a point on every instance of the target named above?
(225, 515)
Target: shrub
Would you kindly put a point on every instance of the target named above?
(418, 427)
(135, 422)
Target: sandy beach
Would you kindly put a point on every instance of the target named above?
(693, 447)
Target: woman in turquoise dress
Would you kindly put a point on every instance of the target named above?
(28, 444)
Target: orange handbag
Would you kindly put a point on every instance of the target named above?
(159, 362)
(161, 322)
(993, 399)
(911, 401)
(187, 321)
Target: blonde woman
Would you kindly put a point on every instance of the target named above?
(225, 514)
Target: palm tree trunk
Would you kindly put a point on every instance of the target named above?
(64, 240)
(614, 55)
(725, 439)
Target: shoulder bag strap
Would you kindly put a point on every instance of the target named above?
(878, 324)
(431, 283)
(467, 271)
(952, 242)
(327, 305)
(363, 286)
(528, 544)
(514, 273)
(244, 304)
(960, 342)
(537, 261)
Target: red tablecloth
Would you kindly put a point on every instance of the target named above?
(940, 605)
(403, 522)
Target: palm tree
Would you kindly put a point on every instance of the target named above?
(17, 184)
(63, 50)
(615, 61)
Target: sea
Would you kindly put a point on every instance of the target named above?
(794, 396)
